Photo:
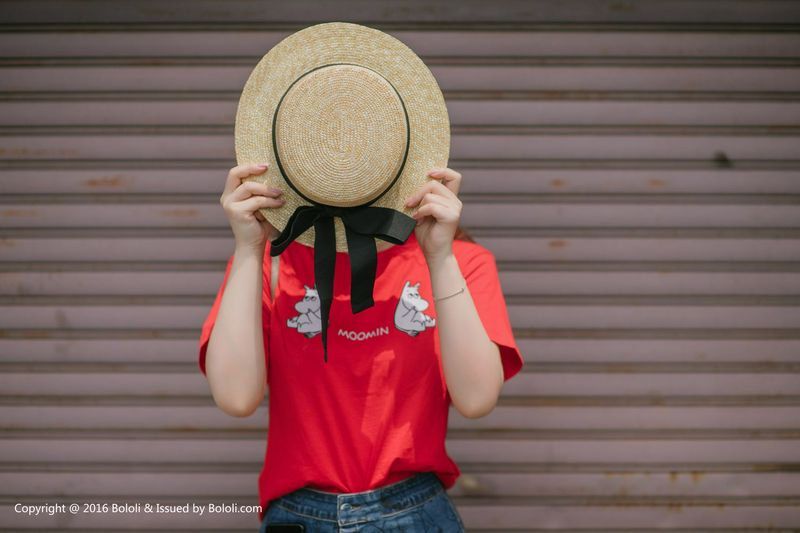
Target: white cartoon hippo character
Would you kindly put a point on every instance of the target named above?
(408, 315)
(309, 321)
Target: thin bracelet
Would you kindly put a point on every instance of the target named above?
(459, 291)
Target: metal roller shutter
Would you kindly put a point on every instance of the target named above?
(633, 165)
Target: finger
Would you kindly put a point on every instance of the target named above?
(446, 185)
(430, 197)
(430, 186)
(238, 172)
(449, 178)
(251, 188)
(254, 203)
(438, 211)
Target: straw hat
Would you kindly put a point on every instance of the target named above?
(350, 120)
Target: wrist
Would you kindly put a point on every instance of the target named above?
(247, 250)
(446, 278)
(438, 260)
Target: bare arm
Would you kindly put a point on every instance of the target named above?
(235, 355)
(470, 359)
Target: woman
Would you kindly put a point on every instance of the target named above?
(358, 443)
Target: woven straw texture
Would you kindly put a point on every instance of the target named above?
(342, 130)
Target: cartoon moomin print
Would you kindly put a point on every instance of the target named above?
(309, 321)
(408, 315)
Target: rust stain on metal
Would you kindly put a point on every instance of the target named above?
(557, 183)
(721, 159)
(109, 182)
(656, 183)
(8, 243)
(557, 243)
(695, 475)
(181, 213)
(622, 489)
(19, 212)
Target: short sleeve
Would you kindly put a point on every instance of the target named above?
(208, 323)
(480, 272)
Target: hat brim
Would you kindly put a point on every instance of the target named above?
(342, 42)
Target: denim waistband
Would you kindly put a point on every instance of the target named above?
(366, 506)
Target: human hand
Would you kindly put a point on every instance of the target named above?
(241, 202)
(438, 214)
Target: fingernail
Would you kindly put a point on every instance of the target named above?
(263, 165)
(276, 191)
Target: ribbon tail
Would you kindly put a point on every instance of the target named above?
(363, 265)
(362, 226)
(324, 267)
(302, 218)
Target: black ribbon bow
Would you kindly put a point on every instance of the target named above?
(362, 225)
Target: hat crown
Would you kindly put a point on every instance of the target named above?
(341, 134)
(336, 179)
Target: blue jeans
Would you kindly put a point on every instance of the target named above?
(418, 503)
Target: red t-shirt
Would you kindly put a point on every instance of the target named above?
(376, 412)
